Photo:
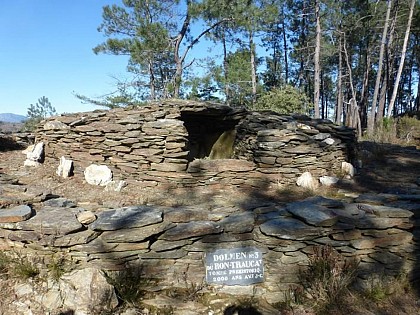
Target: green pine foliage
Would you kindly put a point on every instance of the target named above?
(38, 112)
(284, 100)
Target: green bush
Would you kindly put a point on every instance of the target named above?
(284, 100)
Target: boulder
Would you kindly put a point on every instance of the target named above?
(127, 218)
(87, 291)
(53, 221)
(55, 125)
(312, 213)
(98, 175)
(289, 229)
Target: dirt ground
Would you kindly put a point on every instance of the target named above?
(385, 168)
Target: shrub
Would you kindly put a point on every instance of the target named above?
(400, 130)
(284, 100)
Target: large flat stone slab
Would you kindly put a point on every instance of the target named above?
(135, 234)
(312, 214)
(15, 214)
(191, 229)
(55, 221)
(289, 229)
(238, 223)
(385, 211)
(127, 218)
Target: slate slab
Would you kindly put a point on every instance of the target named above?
(325, 202)
(83, 237)
(135, 234)
(59, 202)
(55, 221)
(191, 229)
(15, 214)
(289, 229)
(238, 223)
(312, 214)
(385, 211)
(377, 199)
(127, 218)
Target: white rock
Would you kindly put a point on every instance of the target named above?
(329, 141)
(307, 181)
(37, 154)
(65, 169)
(328, 180)
(52, 299)
(34, 154)
(347, 168)
(303, 126)
(98, 174)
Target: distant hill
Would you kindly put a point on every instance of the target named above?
(12, 118)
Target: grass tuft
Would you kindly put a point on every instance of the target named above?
(327, 277)
(129, 284)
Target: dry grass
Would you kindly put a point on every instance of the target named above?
(327, 289)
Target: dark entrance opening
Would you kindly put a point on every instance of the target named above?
(210, 134)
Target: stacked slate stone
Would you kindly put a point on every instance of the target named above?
(291, 145)
(129, 141)
(152, 144)
(169, 244)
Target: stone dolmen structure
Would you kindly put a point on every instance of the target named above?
(253, 247)
(178, 143)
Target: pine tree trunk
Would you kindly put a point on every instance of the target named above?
(401, 66)
(339, 106)
(365, 89)
(152, 81)
(226, 70)
(286, 61)
(317, 63)
(371, 119)
(354, 114)
(253, 67)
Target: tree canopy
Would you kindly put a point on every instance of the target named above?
(357, 61)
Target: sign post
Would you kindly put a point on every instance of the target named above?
(236, 266)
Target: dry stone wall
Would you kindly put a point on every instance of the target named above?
(176, 142)
(170, 244)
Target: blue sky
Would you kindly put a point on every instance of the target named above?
(46, 50)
